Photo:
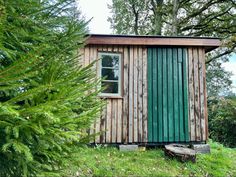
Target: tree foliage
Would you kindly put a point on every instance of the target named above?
(222, 121)
(215, 18)
(46, 99)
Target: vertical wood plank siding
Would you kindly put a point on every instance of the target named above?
(197, 94)
(168, 95)
(124, 120)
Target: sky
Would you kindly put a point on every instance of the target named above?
(99, 12)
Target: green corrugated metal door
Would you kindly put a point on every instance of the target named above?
(167, 95)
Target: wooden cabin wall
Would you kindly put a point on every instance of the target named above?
(198, 122)
(124, 120)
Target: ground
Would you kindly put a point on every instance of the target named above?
(102, 161)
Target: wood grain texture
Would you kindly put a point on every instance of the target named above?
(145, 96)
(197, 94)
(125, 127)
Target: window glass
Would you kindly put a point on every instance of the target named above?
(110, 61)
(110, 72)
(110, 87)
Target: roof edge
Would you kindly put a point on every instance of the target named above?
(150, 36)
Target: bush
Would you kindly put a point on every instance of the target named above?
(222, 121)
(47, 101)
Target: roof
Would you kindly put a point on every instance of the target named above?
(209, 43)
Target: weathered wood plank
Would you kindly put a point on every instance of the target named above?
(114, 120)
(145, 96)
(180, 88)
(196, 94)
(131, 91)
(97, 124)
(191, 94)
(108, 120)
(103, 124)
(135, 99)
(119, 121)
(86, 56)
(141, 40)
(204, 104)
(140, 94)
(125, 96)
(150, 95)
(201, 90)
(185, 88)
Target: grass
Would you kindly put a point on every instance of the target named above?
(101, 161)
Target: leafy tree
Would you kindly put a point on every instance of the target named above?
(214, 18)
(222, 121)
(218, 80)
(47, 100)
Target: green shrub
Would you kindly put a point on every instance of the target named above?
(222, 121)
(47, 101)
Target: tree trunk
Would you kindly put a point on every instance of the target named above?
(157, 10)
(174, 28)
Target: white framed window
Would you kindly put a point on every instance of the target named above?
(110, 71)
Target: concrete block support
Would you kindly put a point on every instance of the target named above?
(202, 148)
(128, 147)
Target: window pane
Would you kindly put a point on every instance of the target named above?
(110, 74)
(110, 87)
(110, 60)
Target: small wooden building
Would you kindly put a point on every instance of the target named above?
(155, 88)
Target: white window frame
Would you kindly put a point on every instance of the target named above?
(119, 70)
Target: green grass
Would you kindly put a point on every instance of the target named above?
(102, 161)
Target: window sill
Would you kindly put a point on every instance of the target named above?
(110, 96)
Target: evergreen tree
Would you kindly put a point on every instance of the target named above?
(47, 100)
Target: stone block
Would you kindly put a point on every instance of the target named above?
(128, 147)
(202, 148)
